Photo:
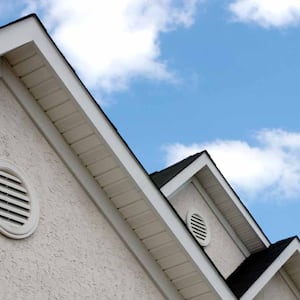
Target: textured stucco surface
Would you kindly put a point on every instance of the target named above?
(74, 253)
(221, 249)
(276, 289)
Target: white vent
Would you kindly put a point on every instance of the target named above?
(198, 227)
(18, 212)
(14, 202)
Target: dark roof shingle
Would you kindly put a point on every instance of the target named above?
(254, 266)
(160, 178)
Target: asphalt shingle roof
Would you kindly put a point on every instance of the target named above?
(254, 266)
(160, 178)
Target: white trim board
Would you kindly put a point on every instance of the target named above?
(260, 283)
(191, 170)
(32, 31)
(89, 184)
(227, 227)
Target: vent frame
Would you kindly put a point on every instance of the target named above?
(19, 208)
(198, 226)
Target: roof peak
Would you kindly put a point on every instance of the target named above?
(160, 178)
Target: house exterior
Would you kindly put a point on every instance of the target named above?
(81, 219)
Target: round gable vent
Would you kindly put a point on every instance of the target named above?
(198, 227)
(18, 210)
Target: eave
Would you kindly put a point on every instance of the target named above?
(257, 270)
(224, 198)
(72, 122)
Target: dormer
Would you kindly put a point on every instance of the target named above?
(225, 230)
(195, 187)
(188, 231)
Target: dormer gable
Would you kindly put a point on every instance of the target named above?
(253, 267)
(200, 171)
(36, 73)
(44, 85)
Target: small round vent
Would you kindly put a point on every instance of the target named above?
(18, 211)
(198, 227)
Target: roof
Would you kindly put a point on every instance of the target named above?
(70, 119)
(201, 167)
(160, 178)
(260, 266)
(254, 266)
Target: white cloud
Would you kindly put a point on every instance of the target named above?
(272, 165)
(267, 13)
(111, 42)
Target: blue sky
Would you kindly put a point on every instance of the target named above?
(180, 76)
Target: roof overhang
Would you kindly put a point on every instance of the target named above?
(288, 261)
(72, 122)
(224, 198)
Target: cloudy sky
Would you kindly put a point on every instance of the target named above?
(180, 76)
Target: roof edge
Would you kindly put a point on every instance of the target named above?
(269, 273)
(121, 151)
(32, 15)
(162, 177)
(196, 163)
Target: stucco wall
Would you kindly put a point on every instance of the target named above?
(74, 253)
(276, 289)
(222, 250)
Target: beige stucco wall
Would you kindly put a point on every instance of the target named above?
(276, 289)
(221, 250)
(74, 253)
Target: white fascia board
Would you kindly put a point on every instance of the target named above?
(33, 31)
(237, 203)
(17, 34)
(186, 174)
(88, 183)
(260, 283)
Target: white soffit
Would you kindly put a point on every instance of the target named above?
(223, 197)
(292, 267)
(289, 260)
(89, 145)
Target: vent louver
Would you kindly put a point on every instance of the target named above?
(198, 227)
(18, 210)
(14, 202)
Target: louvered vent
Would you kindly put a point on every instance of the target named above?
(14, 201)
(198, 227)
(18, 210)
